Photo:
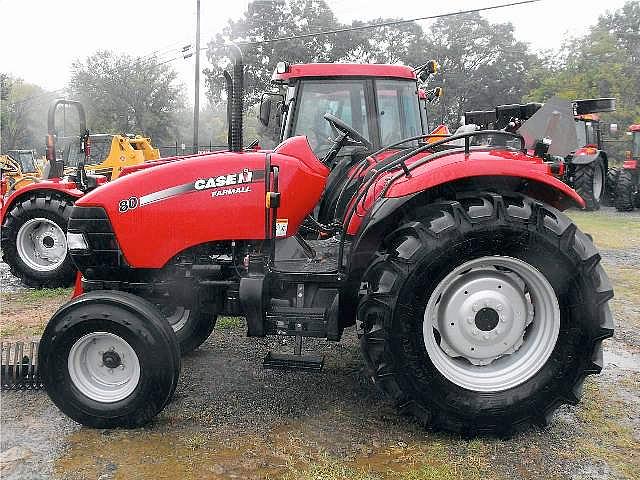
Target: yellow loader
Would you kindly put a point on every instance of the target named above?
(19, 168)
(110, 154)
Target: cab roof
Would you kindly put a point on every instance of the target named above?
(323, 70)
(635, 128)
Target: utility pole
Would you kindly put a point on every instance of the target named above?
(196, 103)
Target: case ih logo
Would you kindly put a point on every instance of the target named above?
(245, 176)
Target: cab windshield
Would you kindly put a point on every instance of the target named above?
(356, 101)
(344, 99)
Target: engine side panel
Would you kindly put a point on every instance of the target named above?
(158, 212)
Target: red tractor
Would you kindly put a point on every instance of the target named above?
(627, 183)
(479, 305)
(585, 167)
(34, 218)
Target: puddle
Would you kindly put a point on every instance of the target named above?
(621, 359)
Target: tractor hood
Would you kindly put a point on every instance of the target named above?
(156, 213)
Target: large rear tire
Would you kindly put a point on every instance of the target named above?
(34, 241)
(625, 191)
(589, 181)
(485, 314)
(109, 359)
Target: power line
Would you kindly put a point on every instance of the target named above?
(382, 24)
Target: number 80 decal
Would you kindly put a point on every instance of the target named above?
(127, 204)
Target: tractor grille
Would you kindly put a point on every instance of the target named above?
(104, 258)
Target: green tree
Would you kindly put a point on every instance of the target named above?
(125, 94)
(293, 18)
(603, 63)
(23, 109)
(482, 64)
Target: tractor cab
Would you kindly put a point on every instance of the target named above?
(588, 131)
(378, 101)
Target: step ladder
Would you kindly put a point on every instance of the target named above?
(296, 321)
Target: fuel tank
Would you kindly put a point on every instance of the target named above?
(159, 212)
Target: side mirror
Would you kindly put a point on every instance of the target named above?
(265, 109)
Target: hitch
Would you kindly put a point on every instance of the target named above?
(19, 366)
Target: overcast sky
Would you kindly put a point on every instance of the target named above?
(41, 38)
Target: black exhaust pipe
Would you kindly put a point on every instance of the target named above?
(228, 83)
(237, 99)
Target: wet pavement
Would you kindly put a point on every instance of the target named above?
(232, 419)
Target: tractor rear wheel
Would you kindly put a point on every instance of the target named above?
(609, 198)
(34, 243)
(625, 191)
(485, 314)
(109, 359)
(589, 181)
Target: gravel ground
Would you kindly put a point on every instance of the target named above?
(232, 419)
(9, 283)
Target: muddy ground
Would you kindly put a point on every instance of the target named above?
(232, 419)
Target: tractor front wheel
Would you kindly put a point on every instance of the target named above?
(589, 181)
(485, 314)
(625, 191)
(34, 243)
(109, 359)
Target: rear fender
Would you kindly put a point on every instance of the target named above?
(68, 189)
(587, 155)
(388, 212)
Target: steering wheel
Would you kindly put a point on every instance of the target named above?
(341, 126)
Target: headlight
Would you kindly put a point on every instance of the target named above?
(76, 241)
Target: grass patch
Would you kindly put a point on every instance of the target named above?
(34, 295)
(329, 469)
(606, 437)
(609, 231)
(626, 281)
(224, 323)
(25, 314)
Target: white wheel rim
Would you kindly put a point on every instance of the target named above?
(103, 367)
(41, 244)
(491, 324)
(598, 182)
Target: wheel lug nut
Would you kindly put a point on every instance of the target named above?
(486, 336)
(475, 307)
(469, 319)
(476, 332)
(499, 307)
